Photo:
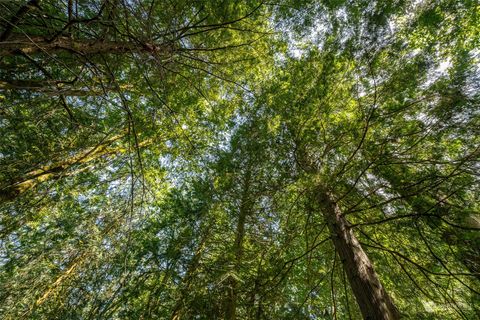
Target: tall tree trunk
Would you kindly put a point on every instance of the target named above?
(373, 300)
(29, 45)
(58, 169)
(245, 205)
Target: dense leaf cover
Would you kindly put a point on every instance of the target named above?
(239, 159)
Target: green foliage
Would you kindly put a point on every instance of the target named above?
(161, 159)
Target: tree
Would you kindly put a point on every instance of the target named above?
(239, 160)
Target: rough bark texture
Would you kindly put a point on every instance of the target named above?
(373, 300)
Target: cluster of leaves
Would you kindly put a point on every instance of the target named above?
(160, 159)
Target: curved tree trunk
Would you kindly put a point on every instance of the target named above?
(372, 298)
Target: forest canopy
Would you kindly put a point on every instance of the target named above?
(240, 159)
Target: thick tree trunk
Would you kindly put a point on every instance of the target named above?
(30, 45)
(373, 300)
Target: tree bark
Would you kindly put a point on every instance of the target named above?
(372, 298)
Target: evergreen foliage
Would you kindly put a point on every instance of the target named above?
(239, 159)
